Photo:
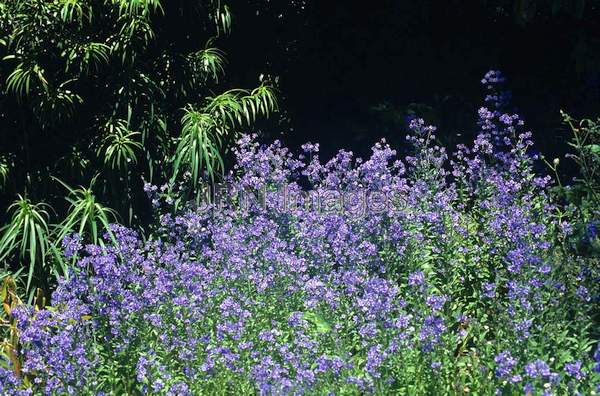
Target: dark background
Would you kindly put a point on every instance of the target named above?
(349, 72)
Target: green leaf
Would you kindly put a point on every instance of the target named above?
(593, 148)
(321, 325)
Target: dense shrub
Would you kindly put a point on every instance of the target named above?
(97, 95)
(450, 276)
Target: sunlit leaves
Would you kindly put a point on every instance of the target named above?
(199, 145)
(262, 100)
(138, 28)
(321, 326)
(75, 11)
(204, 131)
(239, 106)
(135, 34)
(87, 56)
(119, 145)
(222, 17)
(227, 108)
(56, 104)
(137, 7)
(208, 62)
(26, 235)
(86, 216)
(21, 79)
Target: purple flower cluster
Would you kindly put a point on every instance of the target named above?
(460, 282)
(71, 245)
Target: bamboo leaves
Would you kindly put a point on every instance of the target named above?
(137, 7)
(199, 145)
(26, 235)
(222, 17)
(205, 131)
(87, 56)
(30, 239)
(119, 145)
(208, 62)
(86, 216)
(21, 79)
(75, 11)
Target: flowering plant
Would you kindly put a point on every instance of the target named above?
(460, 282)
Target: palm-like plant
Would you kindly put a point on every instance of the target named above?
(88, 56)
(26, 236)
(207, 63)
(86, 216)
(119, 146)
(22, 78)
(199, 145)
(227, 108)
(204, 132)
(57, 104)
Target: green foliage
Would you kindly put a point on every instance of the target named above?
(33, 245)
(27, 237)
(137, 7)
(586, 144)
(205, 132)
(119, 146)
(85, 216)
(60, 55)
(20, 81)
(321, 326)
(112, 92)
(199, 144)
(208, 62)
(583, 195)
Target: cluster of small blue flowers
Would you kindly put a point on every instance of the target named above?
(462, 286)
